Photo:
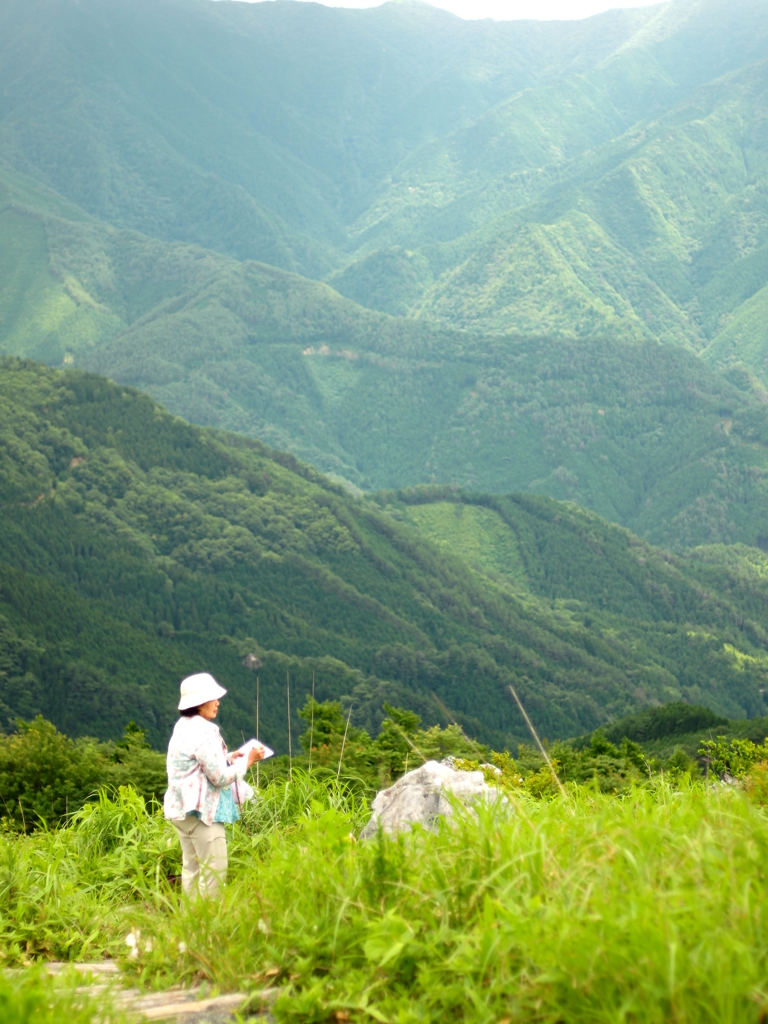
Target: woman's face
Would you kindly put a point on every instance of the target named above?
(209, 710)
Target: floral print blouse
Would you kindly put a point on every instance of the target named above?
(198, 771)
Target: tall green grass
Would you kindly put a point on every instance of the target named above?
(68, 893)
(590, 907)
(63, 893)
(285, 805)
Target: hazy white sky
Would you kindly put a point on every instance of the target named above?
(510, 9)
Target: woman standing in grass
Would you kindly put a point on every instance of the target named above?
(199, 799)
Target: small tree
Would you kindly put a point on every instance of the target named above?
(734, 758)
(134, 763)
(44, 775)
(396, 745)
(325, 738)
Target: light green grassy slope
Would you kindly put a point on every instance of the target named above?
(474, 533)
(744, 340)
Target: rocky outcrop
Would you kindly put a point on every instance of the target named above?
(421, 796)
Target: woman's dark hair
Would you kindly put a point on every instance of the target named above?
(190, 712)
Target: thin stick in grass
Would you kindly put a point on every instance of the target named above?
(312, 722)
(290, 752)
(539, 744)
(343, 742)
(453, 720)
(409, 741)
(257, 727)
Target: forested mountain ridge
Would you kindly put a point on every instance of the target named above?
(261, 126)
(648, 233)
(510, 177)
(647, 436)
(135, 548)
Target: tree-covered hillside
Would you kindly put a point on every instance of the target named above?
(259, 130)
(553, 213)
(545, 178)
(135, 548)
(645, 435)
(578, 192)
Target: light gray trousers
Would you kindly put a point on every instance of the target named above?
(204, 856)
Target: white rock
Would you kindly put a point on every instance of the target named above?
(420, 797)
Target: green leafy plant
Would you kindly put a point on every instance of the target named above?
(45, 777)
(733, 757)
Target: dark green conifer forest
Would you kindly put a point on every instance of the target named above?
(136, 549)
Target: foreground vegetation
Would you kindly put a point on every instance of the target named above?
(600, 894)
(32, 997)
(583, 907)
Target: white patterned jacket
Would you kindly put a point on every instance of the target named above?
(198, 770)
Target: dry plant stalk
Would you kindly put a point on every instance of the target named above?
(312, 722)
(454, 722)
(290, 752)
(410, 742)
(343, 742)
(539, 744)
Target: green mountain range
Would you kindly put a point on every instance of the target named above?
(261, 131)
(135, 549)
(572, 209)
(520, 177)
(553, 190)
(646, 435)
(438, 261)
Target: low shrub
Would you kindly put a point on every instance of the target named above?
(45, 776)
(732, 757)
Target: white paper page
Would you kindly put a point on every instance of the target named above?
(246, 747)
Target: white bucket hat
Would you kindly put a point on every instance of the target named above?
(198, 689)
